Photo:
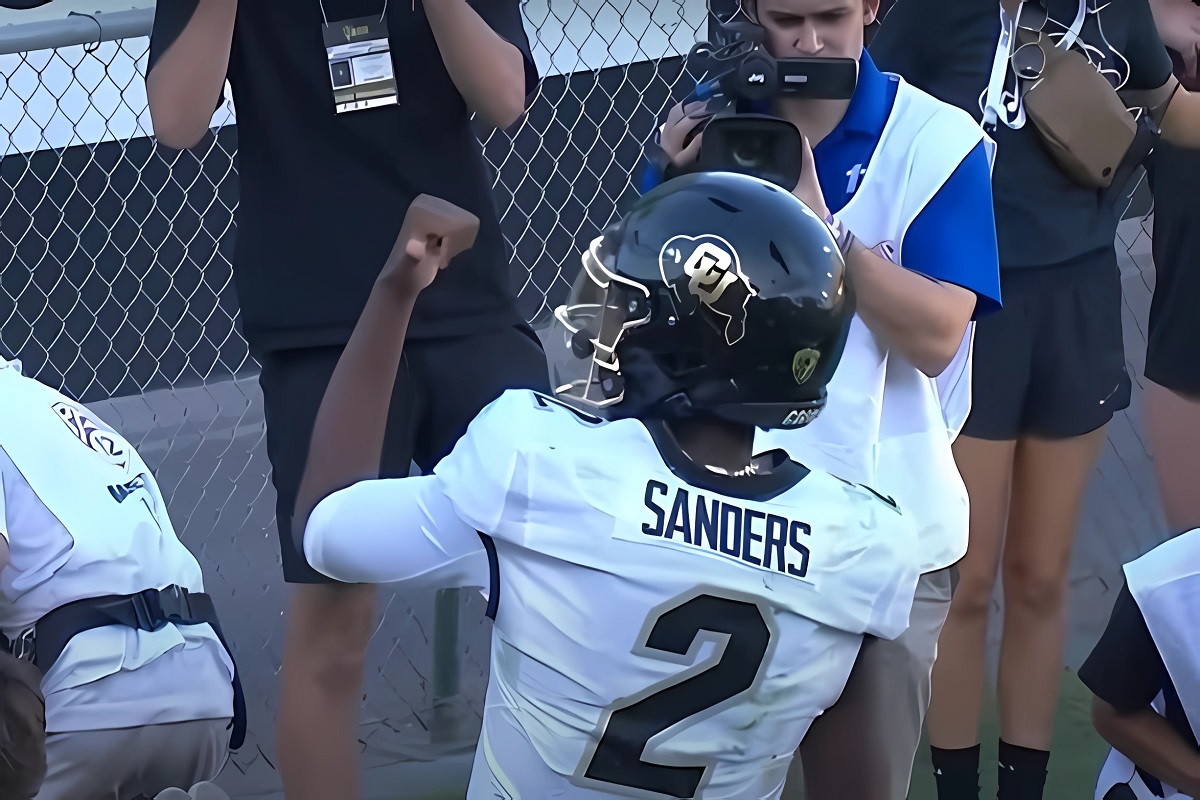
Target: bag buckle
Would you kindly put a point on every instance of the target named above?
(157, 608)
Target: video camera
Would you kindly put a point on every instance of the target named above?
(737, 139)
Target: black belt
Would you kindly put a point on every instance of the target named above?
(151, 610)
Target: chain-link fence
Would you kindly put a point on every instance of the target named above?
(115, 285)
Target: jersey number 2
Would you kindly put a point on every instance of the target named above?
(617, 758)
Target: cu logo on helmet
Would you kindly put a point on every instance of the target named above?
(714, 278)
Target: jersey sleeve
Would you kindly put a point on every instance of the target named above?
(1149, 61)
(1125, 668)
(484, 476)
(504, 17)
(392, 531)
(953, 239)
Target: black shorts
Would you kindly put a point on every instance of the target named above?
(442, 384)
(1173, 342)
(1051, 363)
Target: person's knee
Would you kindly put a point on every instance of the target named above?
(329, 628)
(972, 595)
(1035, 587)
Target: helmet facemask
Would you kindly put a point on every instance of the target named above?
(600, 308)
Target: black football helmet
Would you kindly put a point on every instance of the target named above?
(718, 294)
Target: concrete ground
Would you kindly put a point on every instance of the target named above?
(207, 446)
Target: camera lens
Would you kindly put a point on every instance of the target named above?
(749, 151)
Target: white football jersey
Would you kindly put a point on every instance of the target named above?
(83, 516)
(657, 635)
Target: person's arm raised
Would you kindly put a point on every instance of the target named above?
(347, 438)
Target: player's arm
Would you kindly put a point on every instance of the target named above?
(188, 61)
(486, 53)
(347, 438)
(950, 272)
(386, 531)
(1125, 672)
(1147, 739)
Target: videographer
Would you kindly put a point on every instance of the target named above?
(903, 180)
(347, 110)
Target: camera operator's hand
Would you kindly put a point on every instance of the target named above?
(809, 188)
(680, 135)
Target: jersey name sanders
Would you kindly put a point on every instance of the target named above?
(758, 538)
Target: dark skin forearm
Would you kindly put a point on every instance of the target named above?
(1148, 740)
(347, 438)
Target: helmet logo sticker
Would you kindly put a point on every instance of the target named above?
(715, 278)
(804, 363)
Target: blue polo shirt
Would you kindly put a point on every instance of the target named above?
(954, 238)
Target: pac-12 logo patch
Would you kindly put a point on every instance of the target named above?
(106, 444)
(715, 278)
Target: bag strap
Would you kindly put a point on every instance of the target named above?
(999, 104)
(1004, 105)
(149, 610)
(1072, 35)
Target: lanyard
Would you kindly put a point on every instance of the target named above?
(325, 16)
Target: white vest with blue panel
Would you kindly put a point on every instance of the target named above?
(887, 424)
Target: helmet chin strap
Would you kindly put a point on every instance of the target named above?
(639, 368)
(657, 396)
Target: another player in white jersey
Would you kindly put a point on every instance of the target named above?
(671, 612)
(101, 597)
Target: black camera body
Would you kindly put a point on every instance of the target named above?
(739, 140)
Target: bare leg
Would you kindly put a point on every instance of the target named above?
(958, 673)
(328, 629)
(1173, 425)
(1049, 479)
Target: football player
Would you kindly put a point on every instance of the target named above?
(102, 601)
(670, 611)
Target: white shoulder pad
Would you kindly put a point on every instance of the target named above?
(488, 469)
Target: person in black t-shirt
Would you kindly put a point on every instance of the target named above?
(1171, 403)
(1048, 373)
(1137, 706)
(347, 110)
